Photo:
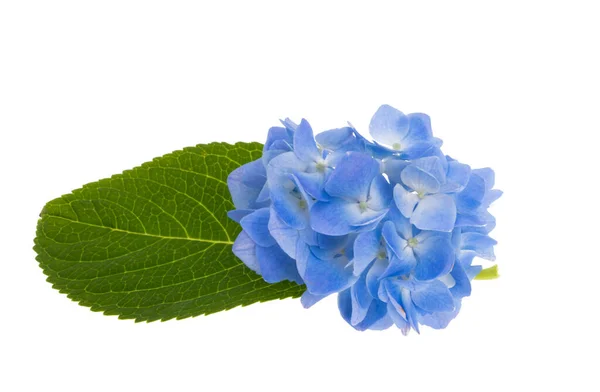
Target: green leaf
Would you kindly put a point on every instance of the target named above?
(488, 273)
(154, 243)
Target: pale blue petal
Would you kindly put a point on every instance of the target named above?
(256, 225)
(352, 177)
(366, 248)
(285, 163)
(289, 200)
(456, 178)
(419, 129)
(490, 197)
(279, 141)
(307, 300)
(468, 220)
(432, 166)
(305, 146)
(435, 212)
(384, 322)
(440, 320)
(435, 256)
(337, 217)
(481, 244)
(420, 150)
(396, 243)
(488, 176)
(405, 200)
(380, 194)
(245, 249)
(334, 139)
(286, 236)
(263, 196)
(419, 180)
(276, 266)
(433, 297)
(388, 125)
(245, 184)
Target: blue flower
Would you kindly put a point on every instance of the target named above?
(392, 226)
(407, 136)
(360, 197)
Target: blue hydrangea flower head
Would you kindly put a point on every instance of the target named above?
(393, 225)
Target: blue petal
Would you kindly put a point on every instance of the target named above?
(245, 249)
(366, 248)
(401, 299)
(481, 244)
(435, 256)
(307, 300)
(337, 217)
(313, 183)
(289, 200)
(388, 125)
(256, 225)
(276, 266)
(468, 220)
(393, 168)
(376, 317)
(237, 215)
(462, 285)
(361, 300)
(435, 212)
(488, 176)
(403, 226)
(335, 138)
(440, 320)
(420, 150)
(419, 129)
(398, 320)
(420, 180)
(380, 194)
(432, 166)
(456, 178)
(470, 198)
(279, 141)
(373, 275)
(433, 297)
(245, 184)
(345, 305)
(305, 146)
(405, 200)
(353, 176)
(286, 236)
(324, 277)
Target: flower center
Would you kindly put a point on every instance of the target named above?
(381, 254)
(413, 242)
(397, 146)
(363, 206)
(302, 204)
(320, 167)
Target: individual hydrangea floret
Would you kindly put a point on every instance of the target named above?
(391, 225)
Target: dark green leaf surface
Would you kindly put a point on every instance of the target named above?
(154, 243)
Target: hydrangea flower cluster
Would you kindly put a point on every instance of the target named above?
(392, 226)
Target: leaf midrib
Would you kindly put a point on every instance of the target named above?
(141, 234)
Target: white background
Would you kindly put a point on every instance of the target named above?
(88, 89)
